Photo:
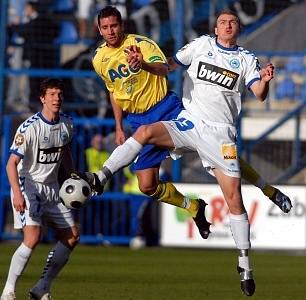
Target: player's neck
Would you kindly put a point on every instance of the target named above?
(50, 116)
(227, 43)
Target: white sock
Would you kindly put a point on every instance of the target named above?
(57, 258)
(240, 228)
(122, 156)
(244, 262)
(18, 263)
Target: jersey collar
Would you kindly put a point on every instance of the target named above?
(47, 121)
(225, 48)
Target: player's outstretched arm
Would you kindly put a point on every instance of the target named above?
(136, 61)
(172, 65)
(260, 88)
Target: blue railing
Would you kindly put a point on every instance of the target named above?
(298, 160)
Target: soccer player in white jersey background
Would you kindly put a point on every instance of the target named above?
(216, 69)
(40, 146)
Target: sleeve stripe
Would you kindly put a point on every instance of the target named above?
(14, 151)
(179, 63)
(252, 81)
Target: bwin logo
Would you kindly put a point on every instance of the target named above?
(49, 156)
(122, 71)
(219, 76)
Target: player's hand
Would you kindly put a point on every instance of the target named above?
(119, 137)
(134, 57)
(267, 73)
(19, 203)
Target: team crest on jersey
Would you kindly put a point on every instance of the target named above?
(19, 139)
(217, 75)
(234, 63)
(229, 151)
(64, 136)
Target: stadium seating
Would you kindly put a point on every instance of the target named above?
(302, 93)
(63, 6)
(68, 33)
(285, 89)
(295, 64)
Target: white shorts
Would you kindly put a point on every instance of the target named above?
(43, 206)
(216, 145)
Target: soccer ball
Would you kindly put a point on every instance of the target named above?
(74, 192)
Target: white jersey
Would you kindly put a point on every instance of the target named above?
(214, 79)
(41, 145)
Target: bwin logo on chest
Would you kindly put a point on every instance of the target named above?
(217, 75)
(49, 156)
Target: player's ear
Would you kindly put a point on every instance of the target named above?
(99, 29)
(42, 100)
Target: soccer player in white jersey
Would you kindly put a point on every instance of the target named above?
(41, 146)
(216, 69)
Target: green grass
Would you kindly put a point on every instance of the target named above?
(161, 274)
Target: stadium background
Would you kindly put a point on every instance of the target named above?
(272, 135)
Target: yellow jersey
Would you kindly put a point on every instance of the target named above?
(135, 91)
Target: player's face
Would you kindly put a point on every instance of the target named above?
(111, 30)
(52, 100)
(227, 29)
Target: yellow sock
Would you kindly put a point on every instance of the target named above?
(251, 175)
(167, 193)
(269, 190)
(248, 173)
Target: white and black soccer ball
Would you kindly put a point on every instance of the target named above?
(75, 192)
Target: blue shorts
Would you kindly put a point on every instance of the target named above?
(167, 109)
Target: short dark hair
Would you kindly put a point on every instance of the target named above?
(228, 12)
(50, 83)
(109, 11)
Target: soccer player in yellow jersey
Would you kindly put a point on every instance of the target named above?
(138, 86)
(142, 93)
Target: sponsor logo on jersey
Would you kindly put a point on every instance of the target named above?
(217, 75)
(19, 139)
(229, 151)
(123, 71)
(49, 155)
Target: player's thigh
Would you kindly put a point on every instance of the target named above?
(156, 134)
(218, 150)
(58, 216)
(148, 179)
(183, 132)
(231, 188)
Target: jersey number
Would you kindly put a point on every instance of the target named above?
(183, 124)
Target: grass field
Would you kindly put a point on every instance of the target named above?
(161, 274)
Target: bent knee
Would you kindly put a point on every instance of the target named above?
(145, 133)
(148, 189)
(31, 242)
